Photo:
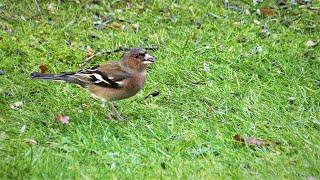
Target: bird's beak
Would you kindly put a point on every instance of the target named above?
(148, 59)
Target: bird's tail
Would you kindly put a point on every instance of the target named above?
(67, 77)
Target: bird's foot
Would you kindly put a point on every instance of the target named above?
(118, 117)
(113, 116)
(116, 114)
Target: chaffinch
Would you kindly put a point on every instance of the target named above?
(114, 80)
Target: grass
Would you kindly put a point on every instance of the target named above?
(212, 86)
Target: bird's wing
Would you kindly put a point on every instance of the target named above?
(107, 75)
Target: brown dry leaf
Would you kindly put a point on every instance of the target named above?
(63, 119)
(238, 138)
(256, 142)
(251, 141)
(43, 68)
(264, 11)
(30, 141)
(90, 51)
(114, 25)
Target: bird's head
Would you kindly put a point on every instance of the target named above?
(137, 59)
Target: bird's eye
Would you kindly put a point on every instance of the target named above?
(140, 55)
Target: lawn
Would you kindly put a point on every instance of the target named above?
(222, 70)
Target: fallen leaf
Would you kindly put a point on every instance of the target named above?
(90, 51)
(206, 67)
(23, 129)
(16, 105)
(114, 25)
(50, 7)
(30, 141)
(303, 6)
(3, 136)
(221, 48)
(165, 12)
(43, 68)
(291, 99)
(140, 7)
(119, 10)
(256, 49)
(63, 119)
(251, 141)
(312, 178)
(201, 151)
(247, 12)
(311, 43)
(237, 23)
(264, 11)
(316, 122)
(264, 32)
(256, 22)
(256, 142)
(135, 26)
(85, 106)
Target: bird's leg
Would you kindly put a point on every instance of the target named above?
(116, 113)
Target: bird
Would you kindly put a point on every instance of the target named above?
(111, 81)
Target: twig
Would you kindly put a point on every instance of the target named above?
(108, 52)
(37, 5)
